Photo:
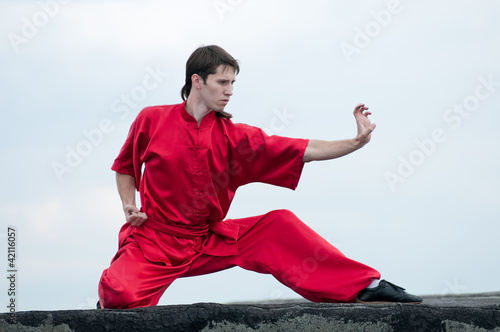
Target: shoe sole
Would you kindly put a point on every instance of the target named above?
(382, 302)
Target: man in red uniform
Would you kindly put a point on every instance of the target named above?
(187, 160)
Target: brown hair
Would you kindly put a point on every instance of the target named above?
(204, 61)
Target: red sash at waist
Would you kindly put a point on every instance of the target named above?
(223, 241)
(187, 232)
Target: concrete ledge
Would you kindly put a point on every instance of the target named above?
(475, 312)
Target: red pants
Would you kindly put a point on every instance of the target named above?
(278, 243)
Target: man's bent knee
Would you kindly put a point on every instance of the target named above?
(119, 296)
(283, 215)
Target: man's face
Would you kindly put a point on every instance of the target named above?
(218, 88)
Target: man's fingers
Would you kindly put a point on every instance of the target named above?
(136, 218)
(137, 222)
(130, 211)
(360, 108)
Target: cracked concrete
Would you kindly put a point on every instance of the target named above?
(469, 312)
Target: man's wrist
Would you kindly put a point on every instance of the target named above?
(357, 143)
(128, 205)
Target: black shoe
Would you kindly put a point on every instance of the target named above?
(98, 305)
(386, 292)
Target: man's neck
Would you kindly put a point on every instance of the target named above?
(196, 109)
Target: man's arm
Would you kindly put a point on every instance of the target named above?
(325, 150)
(126, 189)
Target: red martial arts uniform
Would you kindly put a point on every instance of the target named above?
(190, 177)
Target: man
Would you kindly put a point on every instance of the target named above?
(194, 159)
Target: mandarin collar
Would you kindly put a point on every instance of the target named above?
(205, 122)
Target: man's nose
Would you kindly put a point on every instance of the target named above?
(229, 91)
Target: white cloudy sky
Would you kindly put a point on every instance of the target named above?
(420, 203)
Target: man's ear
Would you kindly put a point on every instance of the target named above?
(196, 81)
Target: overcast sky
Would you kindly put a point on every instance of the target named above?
(420, 203)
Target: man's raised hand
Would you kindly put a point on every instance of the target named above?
(134, 216)
(365, 127)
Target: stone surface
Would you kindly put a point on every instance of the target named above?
(472, 312)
